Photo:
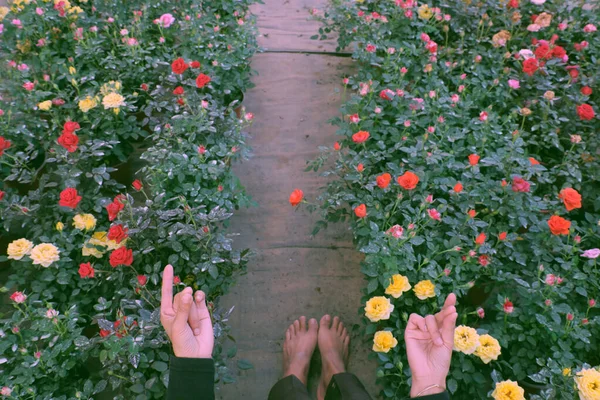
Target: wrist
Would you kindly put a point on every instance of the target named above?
(427, 386)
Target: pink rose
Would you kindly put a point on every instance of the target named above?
(590, 28)
(550, 279)
(18, 297)
(39, 11)
(434, 214)
(28, 86)
(396, 231)
(514, 84)
(166, 20)
(480, 312)
(591, 253)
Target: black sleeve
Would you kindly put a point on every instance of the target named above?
(191, 379)
(438, 396)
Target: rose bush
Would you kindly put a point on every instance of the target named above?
(468, 163)
(92, 92)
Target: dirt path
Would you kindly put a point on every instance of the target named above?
(292, 274)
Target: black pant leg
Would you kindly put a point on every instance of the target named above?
(289, 388)
(346, 386)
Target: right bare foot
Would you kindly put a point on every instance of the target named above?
(299, 345)
(333, 345)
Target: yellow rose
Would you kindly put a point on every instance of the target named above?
(44, 254)
(113, 100)
(378, 308)
(112, 86)
(566, 371)
(88, 251)
(4, 12)
(501, 38)
(45, 105)
(84, 222)
(87, 104)
(544, 20)
(384, 341)
(19, 248)
(466, 339)
(66, 3)
(489, 349)
(398, 285)
(75, 10)
(425, 12)
(24, 47)
(588, 384)
(508, 390)
(101, 239)
(72, 70)
(424, 290)
(60, 226)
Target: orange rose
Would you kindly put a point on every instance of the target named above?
(502, 235)
(533, 161)
(408, 180)
(571, 198)
(559, 225)
(296, 197)
(480, 239)
(474, 159)
(458, 187)
(361, 211)
(472, 213)
(360, 137)
(383, 180)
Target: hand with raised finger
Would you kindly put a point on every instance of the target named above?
(186, 320)
(429, 341)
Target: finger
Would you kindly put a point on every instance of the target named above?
(448, 327)
(440, 316)
(450, 301)
(166, 301)
(416, 322)
(194, 319)
(203, 313)
(183, 304)
(434, 331)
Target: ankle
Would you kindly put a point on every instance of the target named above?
(302, 376)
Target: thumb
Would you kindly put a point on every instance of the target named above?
(203, 313)
(183, 304)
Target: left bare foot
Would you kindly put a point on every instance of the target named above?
(299, 345)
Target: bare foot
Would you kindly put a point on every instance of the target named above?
(299, 345)
(333, 345)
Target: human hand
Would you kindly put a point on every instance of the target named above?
(429, 342)
(186, 320)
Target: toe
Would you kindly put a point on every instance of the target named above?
(288, 334)
(292, 330)
(347, 341)
(303, 324)
(344, 333)
(336, 323)
(325, 321)
(297, 326)
(340, 328)
(313, 326)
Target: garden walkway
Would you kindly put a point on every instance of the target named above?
(292, 273)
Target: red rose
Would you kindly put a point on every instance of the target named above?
(202, 80)
(179, 66)
(508, 306)
(484, 260)
(533, 161)
(361, 211)
(585, 112)
(360, 167)
(472, 213)
(383, 180)
(70, 127)
(559, 225)
(114, 208)
(474, 159)
(181, 101)
(69, 198)
(69, 141)
(559, 52)
(458, 187)
(195, 64)
(573, 71)
(513, 4)
(86, 270)
(137, 185)
(530, 66)
(178, 91)
(543, 52)
(176, 280)
(360, 137)
(144, 86)
(1, 195)
(142, 279)
(4, 144)
(337, 146)
(117, 233)
(408, 180)
(296, 197)
(104, 333)
(586, 91)
(502, 235)
(121, 256)
(387, 94)
(520, 185)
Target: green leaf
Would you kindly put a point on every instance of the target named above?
(160, 366)
(244, 364)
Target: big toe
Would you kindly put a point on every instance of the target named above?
(325, 322)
